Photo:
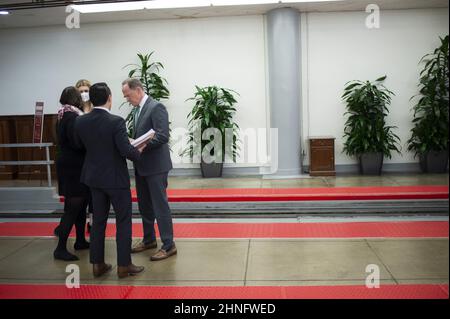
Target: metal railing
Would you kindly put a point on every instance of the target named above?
(47, 161)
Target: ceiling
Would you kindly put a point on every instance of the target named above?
(57, 15)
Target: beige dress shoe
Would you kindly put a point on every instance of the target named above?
(141, 247)
(162, 254)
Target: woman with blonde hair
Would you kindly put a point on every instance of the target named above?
(83, 87)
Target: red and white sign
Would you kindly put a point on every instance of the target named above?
(38, 122)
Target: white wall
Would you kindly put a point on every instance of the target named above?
(37, 63)
(340, 48)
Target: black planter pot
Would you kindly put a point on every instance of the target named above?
(211, 170)
(371, 163)
(434, 162)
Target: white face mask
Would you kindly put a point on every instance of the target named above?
(85, 96)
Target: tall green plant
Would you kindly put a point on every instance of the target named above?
(154, 85)
(365, 129)
(213, 108)
(431, 119)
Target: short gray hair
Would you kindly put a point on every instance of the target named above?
(133, 83)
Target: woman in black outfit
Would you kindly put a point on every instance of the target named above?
(68, 167)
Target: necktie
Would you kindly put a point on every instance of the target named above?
(136, 116)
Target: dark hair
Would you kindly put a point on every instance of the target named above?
(71, 96)
(99, 93)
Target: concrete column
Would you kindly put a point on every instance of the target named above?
(283, 42)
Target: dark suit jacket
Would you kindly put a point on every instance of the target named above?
(104, 136)
(155, 159)
(70, 158)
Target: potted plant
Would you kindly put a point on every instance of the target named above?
(213, 109)
(367, 135)
(429, 138)
(154, 85)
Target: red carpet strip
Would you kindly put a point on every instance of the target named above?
(401, 229)
(44, 291)
(304, 194)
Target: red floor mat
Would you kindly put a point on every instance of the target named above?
(304, 194)
(435, 229)
(44, 291)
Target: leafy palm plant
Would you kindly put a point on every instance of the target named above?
(365, 129)
(431, 118)
(154, 85)
(213, 108)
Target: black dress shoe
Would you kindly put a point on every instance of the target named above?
(81, 245)
(64, 255)
(100, 269)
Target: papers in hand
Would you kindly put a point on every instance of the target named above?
(143, 139)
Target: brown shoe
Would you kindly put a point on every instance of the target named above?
(141, 247)
(162, 254)
(100, 269)
(130, 270)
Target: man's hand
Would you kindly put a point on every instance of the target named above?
(142, 147)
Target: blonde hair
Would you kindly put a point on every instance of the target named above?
(83, 82)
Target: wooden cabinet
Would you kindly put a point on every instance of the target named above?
(19, 129)
(7, 154)
(321, 156)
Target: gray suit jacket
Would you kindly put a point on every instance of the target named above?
(155, 159)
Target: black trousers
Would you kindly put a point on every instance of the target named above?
(74, 213)
(121, 202)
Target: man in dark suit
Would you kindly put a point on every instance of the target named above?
(105, 171)
(151, 170)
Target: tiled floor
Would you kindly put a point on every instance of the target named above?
(243, 262)
(250, 262)
(258, 182)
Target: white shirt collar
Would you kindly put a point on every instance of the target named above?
(144, 99)
(102, 108)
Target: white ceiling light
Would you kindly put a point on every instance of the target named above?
(109, 7)
(3, 13)
(172, 4)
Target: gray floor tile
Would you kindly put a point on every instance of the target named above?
(10, 245)
(311, 260)
(357, 181)
(135, 281)
(35, 261)
(414, 258)
(421, 179)
(360, 282)
(423, 281)
(197, 260)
